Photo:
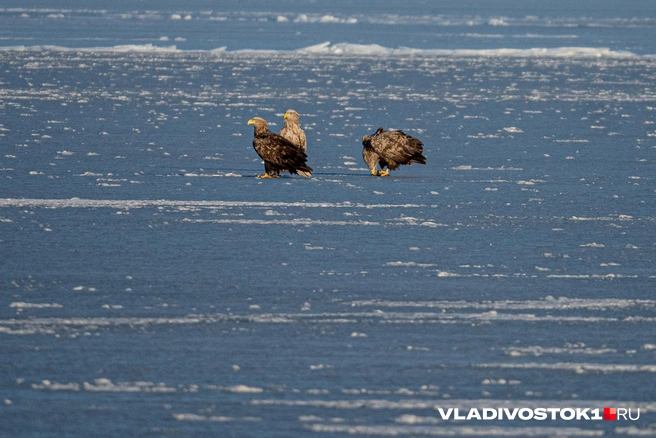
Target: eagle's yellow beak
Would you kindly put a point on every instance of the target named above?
(286, 116)
(251, 122)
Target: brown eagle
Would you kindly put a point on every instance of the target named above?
(278, 153)
(292, 130)
(390, 149)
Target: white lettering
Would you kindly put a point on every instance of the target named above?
(525, 414)
(540, 414)
(635, 417)
(509, 415)
(596, 415)
(489, 414)
(567, 414)
(473, 413)
(582, 414)
(445, 416)
(621, 412)
(553, 411)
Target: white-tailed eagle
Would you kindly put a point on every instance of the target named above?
(390, 149)
(292, 130)
(278, 153)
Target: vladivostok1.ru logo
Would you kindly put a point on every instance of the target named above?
(540, 414)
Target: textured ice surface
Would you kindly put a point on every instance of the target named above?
(148, 274)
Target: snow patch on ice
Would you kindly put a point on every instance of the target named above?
(410, 264)
(22, 305)
(537, 350)
(469, 167)
(244, 389)
(214, 418)
(213, 175)
(424, 430)
(579, 368)
(513, 129)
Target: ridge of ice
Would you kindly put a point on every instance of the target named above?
(350, 49)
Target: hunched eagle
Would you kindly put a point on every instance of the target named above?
(278, 153)
(390, 149)
(292, 130)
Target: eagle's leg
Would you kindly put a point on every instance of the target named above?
(374, 171)
(267, 171)
(276, 174)
(384, 172)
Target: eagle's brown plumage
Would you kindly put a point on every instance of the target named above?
(390, 149)
(292, 130)
(278, 153)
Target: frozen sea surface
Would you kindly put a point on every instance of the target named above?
(291, 24)
(152, 286)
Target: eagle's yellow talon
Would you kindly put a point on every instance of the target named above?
(384, 172)
(264, 175)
